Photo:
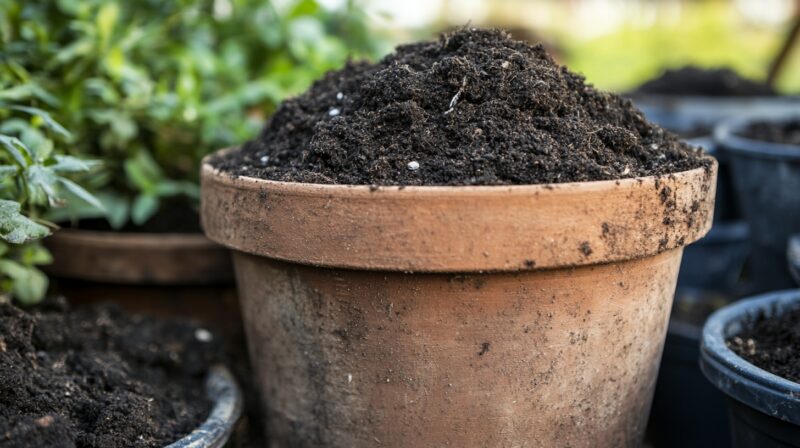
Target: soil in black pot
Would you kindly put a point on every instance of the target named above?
(473, 108)
(772, 344)
(783, 132)
(696, 81)
(99, 377)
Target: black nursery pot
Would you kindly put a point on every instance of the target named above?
(764, 409)
(766, 177)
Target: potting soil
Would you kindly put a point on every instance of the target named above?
(99, 377)
(696, 81)
(783, 132)
(472, 108)
(772, 344)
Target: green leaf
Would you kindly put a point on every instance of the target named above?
(144, 207)
(51, 124)
(107, 20)
(18, 151)
(15, 228)
(29, 285)
(143, 172)
(7, 171)
(35, 255)
(80, 192)
(70, 164)
(42, 182)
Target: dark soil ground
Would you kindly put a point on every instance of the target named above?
(787, 132)
(473, 108)
(98, 377)
(695, 81)
(772, 344)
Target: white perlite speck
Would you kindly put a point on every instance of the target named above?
(413, 165)
(265, 159)
(334, 112)
(203, 335)
(339, 96)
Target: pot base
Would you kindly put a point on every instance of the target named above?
(550, 357)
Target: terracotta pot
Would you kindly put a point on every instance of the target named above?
(183, 275)
(458, 316)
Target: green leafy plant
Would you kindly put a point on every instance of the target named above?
(34, 179)
(150, 87)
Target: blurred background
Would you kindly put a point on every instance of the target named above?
(617, 44)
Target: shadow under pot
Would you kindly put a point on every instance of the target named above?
(764, 409)
(766, 177)
(463, 316)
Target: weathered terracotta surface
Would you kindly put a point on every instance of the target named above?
(148, 258)
(534, 316)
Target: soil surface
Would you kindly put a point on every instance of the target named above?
(695, 81)
(473, 108)
(772, 344)
(786, 132)
(98, 377)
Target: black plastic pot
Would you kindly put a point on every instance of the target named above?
(793, 254)
(687, 412)
(715, 262)
(764, 409)
(766, 177)
(227, 402)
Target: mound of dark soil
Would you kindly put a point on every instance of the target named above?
(474, 107)
(772, 344)
(99, 378)
(784, 132)
(695, 81)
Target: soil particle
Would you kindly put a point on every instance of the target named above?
(98, 377)
(473, 108)
(783, 132)
(772, 344)
(696, 81)
(586, 248)
(484, 348)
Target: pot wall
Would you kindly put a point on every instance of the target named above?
(561, 357)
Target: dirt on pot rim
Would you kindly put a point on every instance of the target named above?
(782, 132)
(98, 377)
(473, 108)
(697, 81)
(772, 343)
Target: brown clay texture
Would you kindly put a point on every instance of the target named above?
(99, 378)
(457, 229)
(772, 343)
(141, 258)
(457, 316)
(564, 357)
(473, 108)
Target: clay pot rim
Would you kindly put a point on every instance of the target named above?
(303, 188)
(457, 228)
(138, 258)
(102, 238)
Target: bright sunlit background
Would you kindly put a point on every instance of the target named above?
(617, 44)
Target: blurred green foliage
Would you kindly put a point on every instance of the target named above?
(705, 34)
(151, 86)
(34, 178)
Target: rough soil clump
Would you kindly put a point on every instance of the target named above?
(772, 344)
(473, 108)
(99, 377)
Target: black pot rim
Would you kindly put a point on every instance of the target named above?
(737, 378)
(726, 137)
